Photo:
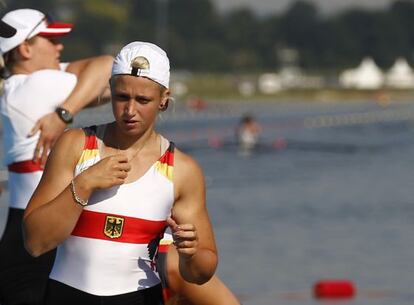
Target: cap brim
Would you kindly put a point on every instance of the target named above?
(56, 29)
(6, 30)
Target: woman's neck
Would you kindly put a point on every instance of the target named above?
(121, 141)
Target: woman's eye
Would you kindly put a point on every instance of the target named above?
(121, 97)
(143, 101)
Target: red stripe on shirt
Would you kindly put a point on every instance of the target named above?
(91, 142)
(168, 158)
(22, 167)
(135, 230)
(163, 248)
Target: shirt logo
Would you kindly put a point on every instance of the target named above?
(114, 226)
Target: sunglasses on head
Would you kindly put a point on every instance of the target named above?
(46, 18)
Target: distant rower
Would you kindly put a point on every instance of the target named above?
(248, 132)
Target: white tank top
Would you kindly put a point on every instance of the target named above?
(113, 247)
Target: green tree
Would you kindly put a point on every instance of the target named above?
(299, 28)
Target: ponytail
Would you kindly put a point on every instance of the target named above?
(3, 72)
(5, 62)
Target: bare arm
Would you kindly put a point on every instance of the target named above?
(52, 212)
(93, 76)
(190, 223)
(213, 292)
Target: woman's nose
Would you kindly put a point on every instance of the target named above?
(59, 46)
(130, 108)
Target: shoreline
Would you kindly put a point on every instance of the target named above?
(236, 87)
(317, 95)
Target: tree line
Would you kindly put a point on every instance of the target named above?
(200, 38)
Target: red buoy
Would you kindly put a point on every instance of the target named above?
(334, 289)
(215, 142)
(280, 143)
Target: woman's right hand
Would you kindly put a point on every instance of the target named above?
(108, 172)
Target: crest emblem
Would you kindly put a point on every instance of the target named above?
(113, 226)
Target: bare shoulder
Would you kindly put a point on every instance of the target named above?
(69, 146)
(185, 166)
(188, 176)
(72, 137)
(73, 134)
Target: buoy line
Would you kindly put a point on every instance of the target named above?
(372, 117)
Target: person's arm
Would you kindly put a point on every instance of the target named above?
(93, 76)
(52, 212)
(213, 292)
(190, 223)
(93, 80)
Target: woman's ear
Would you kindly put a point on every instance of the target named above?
(164, 100)
(164, 105)
(24, 50)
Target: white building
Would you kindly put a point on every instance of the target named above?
(366, 76)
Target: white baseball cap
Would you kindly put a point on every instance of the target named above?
(29, 23)
(156, 63)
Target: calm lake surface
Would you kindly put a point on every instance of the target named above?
(329, 194)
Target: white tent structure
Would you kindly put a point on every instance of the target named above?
(269, 83)
(366, 76)
(400, 75)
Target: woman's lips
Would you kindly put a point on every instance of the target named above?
(130, 123)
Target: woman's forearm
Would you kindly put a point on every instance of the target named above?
(93, 79)
(49, 224)
(200, 267)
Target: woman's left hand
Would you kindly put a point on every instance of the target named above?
(185, 238)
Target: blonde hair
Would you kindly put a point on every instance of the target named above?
(2, 73)
(140, 62)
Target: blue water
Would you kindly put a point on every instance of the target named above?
(332, 202)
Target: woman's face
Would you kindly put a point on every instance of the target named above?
(46, 52)
(136, 102)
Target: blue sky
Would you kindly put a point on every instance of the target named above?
(326, 6)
